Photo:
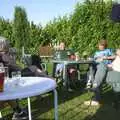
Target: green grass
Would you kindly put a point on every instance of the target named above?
(71, 106)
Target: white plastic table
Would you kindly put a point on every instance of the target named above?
(26, 87)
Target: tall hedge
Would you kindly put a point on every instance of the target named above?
(90, 23)
(81, 30)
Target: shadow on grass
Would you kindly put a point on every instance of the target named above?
(106, 111)
(45, 103)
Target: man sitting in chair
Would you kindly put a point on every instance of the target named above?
(71, 70)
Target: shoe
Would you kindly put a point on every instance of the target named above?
(64, 84)
(70, 90)
(90, 89)
(88, 86)
(23, 115)
(92, 103)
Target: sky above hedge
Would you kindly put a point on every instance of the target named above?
(39, 11)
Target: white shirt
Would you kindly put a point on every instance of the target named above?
(116, 64)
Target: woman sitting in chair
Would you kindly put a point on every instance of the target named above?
(35, 69)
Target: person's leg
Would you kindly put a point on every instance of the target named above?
(14, 106)
(2, 104)
(72, 77)
(59, 70)
(99, 77)
(90, 75)
(19, 113)
(72, 74)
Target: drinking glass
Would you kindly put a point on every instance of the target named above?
(16, 76)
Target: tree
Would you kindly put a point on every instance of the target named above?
(81, 30)
(20, 28)
(6, 29)
(35, 37)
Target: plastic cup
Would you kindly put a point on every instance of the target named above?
(2, 78)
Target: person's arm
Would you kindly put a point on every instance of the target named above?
(110, 65)
(109, 57)
(97, 57)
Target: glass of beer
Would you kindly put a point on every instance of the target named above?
(2, 78)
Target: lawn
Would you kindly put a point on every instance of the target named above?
(71, 106)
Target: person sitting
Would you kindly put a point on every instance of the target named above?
(113, 78)
(7, 61)
(71, 69)
(115, 65)
(103, 57)
(35, 68)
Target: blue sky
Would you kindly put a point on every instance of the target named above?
(39, 11)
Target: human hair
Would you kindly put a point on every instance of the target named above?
(36, 60)
(4, 44)
(103, 43)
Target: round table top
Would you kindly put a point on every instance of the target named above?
(24, 87)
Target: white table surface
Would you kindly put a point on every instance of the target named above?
(26, 87)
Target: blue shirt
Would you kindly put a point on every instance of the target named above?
(101, 53)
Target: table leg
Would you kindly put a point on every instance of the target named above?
(65, 75)
(78, 72)
(54, 69)
(91, 73)
(29, 109)
(56, 104)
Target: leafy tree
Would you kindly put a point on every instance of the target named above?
(6, 28)
(81, 30)
(20, 28)
(35, 37)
